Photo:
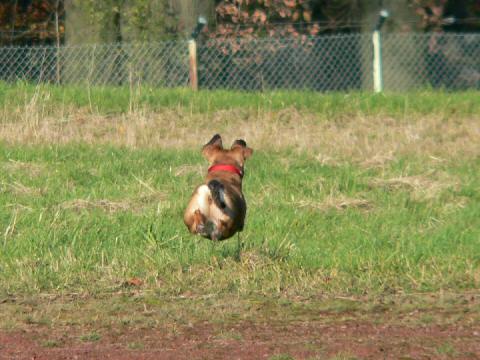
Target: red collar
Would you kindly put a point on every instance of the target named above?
(229, 168)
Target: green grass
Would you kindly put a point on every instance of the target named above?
(51, 343)
(281, 357)
(107, 100)
(135, 346)
(80, 218)
(381, 197)
(447, 350)
(90, 337)
(362, 209)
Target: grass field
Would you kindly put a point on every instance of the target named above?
(349, 195)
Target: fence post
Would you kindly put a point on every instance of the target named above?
(192, 51)
(192, 54)
(377, 62)
(377, 52)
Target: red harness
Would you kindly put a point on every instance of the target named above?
(228, 168)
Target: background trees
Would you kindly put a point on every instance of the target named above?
(30, 22)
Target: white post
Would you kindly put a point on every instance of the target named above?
(377, 52)
(377, 62)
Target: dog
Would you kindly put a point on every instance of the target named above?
(217, 209)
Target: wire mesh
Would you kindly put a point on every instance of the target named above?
(342, 62)
(438, 60)
(317, 63)
(163, 64)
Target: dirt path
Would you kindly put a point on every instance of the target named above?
(247, 340)
(142, 326)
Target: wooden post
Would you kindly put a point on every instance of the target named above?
(192, 54)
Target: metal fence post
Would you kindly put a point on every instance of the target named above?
(192, 54)
(377, 62)
(377, 53)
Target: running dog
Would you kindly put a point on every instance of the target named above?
(217, 208)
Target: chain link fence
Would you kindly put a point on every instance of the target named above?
(323, 63)
(319, 63)
(163, 64)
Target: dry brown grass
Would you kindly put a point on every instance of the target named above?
(378, 160)
(137, 204)
(371, 141)
(103, 204)
(422, 187)
(336, 202)
(20, 189)
(32, 169)
(189, 169)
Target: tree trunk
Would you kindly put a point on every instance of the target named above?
(91, 22)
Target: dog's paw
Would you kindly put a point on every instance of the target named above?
(200, 229)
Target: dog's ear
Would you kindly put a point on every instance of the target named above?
(241, 145)
(213, 145)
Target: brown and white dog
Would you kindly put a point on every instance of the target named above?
(217, 208)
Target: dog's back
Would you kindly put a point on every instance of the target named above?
(217, 208)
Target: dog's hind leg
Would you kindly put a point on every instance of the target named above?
(197, 212)
(199, 222)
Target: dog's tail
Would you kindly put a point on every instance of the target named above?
(218, 193)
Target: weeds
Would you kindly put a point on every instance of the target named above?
(90, 337)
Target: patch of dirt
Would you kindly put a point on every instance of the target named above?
(317, 339)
